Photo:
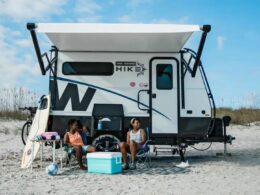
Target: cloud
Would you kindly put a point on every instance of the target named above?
(24, 43)
(89, 19)
(18, 64)
(16, 33)
(87, 11)
(220, 42)
(27, 9)
(126, 19)
(87, 7)
(15, 62)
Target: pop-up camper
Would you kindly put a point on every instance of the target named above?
(106, 74)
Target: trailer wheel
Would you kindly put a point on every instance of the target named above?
(106, 143)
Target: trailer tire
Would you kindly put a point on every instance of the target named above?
(106, 142)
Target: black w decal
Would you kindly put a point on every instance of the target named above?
(71, 92)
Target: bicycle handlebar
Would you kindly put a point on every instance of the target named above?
(32, 110)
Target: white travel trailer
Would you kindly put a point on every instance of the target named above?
(110, 73)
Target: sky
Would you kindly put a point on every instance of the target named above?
(230, 56)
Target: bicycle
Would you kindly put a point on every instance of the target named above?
(27, 125)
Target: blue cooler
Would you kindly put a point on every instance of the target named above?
(104, 162)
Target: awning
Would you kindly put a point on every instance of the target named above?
(118, 37)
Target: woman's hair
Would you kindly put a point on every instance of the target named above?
(70, 122)
(132, 121)
(80, 126)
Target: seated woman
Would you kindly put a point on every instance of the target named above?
(73, 139)
(136, 137)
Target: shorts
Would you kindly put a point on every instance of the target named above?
(85, 148)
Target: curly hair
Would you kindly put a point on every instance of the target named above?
(70, 122)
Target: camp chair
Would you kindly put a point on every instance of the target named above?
(70, 152)
(143, 155)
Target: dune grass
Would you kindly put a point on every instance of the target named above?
(241, 116)
(14, 115)
(11, 99)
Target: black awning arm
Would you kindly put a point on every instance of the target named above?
(31, 27)
(205, 29)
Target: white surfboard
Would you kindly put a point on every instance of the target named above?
(39, 124)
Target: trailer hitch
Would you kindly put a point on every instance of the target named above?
(230, 138)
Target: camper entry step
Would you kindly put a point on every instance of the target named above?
(165, 150)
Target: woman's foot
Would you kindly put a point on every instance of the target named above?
(132, 166)
(125, 166)
(183, 164)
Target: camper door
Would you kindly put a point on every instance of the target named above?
(164, 96)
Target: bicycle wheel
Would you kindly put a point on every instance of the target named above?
(26, 131)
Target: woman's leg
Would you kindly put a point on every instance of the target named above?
(91, 149)
(123, 148)
(78, 150)
(133, 149)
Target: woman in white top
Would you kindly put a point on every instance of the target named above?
(135, 139)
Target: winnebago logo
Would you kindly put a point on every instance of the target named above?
(130, 67)
(71, 93)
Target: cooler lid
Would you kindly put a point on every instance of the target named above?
(105, 155)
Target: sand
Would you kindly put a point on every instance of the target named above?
(207, 174)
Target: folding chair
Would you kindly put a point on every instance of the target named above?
(143, 156)
(70, 152)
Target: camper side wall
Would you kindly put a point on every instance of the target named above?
(74, 94)
(88, 78)
(195, 109)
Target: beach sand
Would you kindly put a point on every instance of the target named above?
(207, 174)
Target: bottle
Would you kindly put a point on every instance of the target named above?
(99, 125)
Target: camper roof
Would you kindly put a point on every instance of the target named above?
(118, 37)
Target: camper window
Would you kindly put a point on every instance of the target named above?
(164, 76)
(88, 68)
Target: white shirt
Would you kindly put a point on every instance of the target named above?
(136, 136)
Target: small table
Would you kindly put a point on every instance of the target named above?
(41, 142)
